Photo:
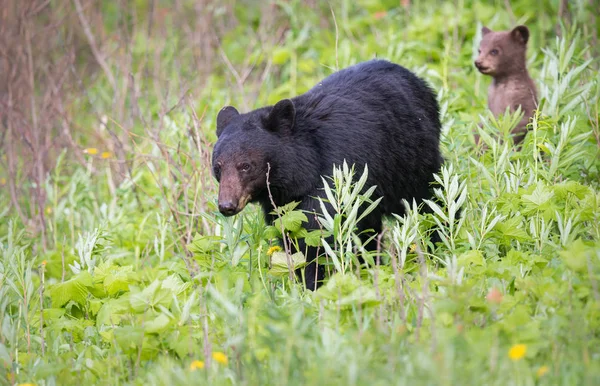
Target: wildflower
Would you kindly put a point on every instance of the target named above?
(273, 249)
(91, 151)
(220, 357)
(195, 365)
(106, 154)
(413, 248)
(26, 384)
(2, 181)
(517, 352)
(542, 371)
(379, 15)
(494, 296)
(44, 262)
(48, 210)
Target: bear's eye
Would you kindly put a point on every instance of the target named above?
(494, 52)
(245, 167)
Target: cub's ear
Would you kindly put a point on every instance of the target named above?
(520, 34)
(282, 117)
(485, 31)
(224, 116)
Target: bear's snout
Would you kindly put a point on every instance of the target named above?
(233, 194)
(228, 207)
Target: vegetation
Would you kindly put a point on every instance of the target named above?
(116, 267)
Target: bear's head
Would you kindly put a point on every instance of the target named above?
(246, 146)
(502, 52)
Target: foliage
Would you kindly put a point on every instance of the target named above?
(142, 281)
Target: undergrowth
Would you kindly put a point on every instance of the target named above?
(142, 280)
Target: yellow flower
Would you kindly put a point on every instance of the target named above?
(273, 249)
(91, 150)
(517, 352)
(26, 384)
(413, 247)
(48, 210)
(2, 181)
(542, 371)
(195, 365)
(220, 357)
(106, 154)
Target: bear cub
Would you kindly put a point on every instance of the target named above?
(374, 113)
(502, 55)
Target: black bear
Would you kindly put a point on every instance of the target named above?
(502, 56)
(376, 113)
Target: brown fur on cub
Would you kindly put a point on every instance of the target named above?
(502, 56)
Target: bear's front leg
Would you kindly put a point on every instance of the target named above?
(313, 272)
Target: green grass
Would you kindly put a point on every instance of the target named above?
(141, 275)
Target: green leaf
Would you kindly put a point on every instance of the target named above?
(279, 263)
(539, 200)
(565, 188)
(175, 284)
(346, 291)
(510, 230)
(202, 244)
(4, 356)
(272, 232)
(313, 238)
(158, 324)
(53, 313)
(576, 256)
(474, 257)
(75, 289)
(187, 308)
(76, 327)
(281, 55)
(119, 280)
(151, 297)
(292, 221)
(113, 311)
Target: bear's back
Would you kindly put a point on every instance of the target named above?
(376, 113)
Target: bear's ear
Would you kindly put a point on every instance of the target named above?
(224, 116)
(282, 117)
(485, 31)
(520, 34)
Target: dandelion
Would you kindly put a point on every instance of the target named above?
(91, 151)
(195, 365)
(494, 296)
(542, 371)
(517, 352)
(220, 357)
(106, 154)
(273, 249)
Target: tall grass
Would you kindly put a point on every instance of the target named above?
(135, 278)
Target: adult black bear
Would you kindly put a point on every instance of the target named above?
(376, 113)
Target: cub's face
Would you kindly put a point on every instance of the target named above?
(244, 151)
(503, 51)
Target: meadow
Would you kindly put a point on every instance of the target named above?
(116, 266)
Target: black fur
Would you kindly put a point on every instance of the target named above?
(376, 113)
